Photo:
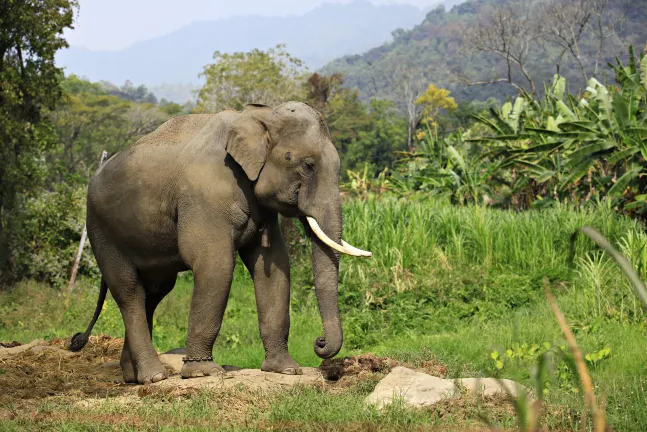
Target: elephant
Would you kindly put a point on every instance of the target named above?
(192, 194)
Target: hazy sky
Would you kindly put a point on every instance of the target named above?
(115, 24)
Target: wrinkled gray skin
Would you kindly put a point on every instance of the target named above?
(193, 193)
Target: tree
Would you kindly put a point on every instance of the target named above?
(408, 82)
(432, 101)
(567, 22)
(376, 144)
(564, 23)
(363, 135)
(344, 113)
(88, 120)
(509, 32)
(31, 32)
(266, 77)
(129, 92)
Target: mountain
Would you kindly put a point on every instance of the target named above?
(437, 48)
(172, 62)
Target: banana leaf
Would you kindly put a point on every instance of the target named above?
(545, 176)
(590, 151)
(623, 182)
(623, 154)
(580, 126)
(577, 173)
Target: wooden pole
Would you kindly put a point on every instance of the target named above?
(84, 236)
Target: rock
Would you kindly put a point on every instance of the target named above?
(253, 379)
(60, 352)
(415, 388)
(491, 386)
(6, 352)
(172, 361)
(6, 414)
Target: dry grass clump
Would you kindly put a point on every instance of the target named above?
(36, 374)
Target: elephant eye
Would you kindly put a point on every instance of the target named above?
(288, 156)
(309, 163)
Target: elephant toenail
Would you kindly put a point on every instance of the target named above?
(158, 377)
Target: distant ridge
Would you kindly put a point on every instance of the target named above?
(175, 59)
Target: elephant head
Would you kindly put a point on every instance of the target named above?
(288, 153)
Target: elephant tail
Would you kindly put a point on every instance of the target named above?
(79, 340)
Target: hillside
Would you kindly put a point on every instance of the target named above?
(438, 49)
(327, 32)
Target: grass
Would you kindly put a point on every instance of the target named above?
(451, 283)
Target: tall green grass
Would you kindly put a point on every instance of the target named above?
(425, 237)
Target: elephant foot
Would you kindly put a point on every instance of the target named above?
(128, 372)
(151, 374)
(194, 369)
(283, 365)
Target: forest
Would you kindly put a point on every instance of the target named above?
(476, 154)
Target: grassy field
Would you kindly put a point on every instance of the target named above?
(445, 283)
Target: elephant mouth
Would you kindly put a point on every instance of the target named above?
(344, 247)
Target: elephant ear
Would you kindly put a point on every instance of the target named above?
(248, 144)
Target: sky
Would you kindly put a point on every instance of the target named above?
(116, 24)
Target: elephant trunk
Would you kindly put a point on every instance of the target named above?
(325, 264)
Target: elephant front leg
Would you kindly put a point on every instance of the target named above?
(213, 272)
(269, 265)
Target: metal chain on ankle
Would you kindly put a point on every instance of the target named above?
(196, 359)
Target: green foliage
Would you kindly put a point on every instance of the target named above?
(30, 35)
(365, 135)
(552, 368)
(576, 150)
(49, 236)
(534, 152)
(264, 77)
(89, 120)
(445, 166)
(129, 92)
(433, 100)
(376, 143)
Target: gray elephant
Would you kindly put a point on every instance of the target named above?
(193, 193)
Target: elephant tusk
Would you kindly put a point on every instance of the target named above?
(344, 248)
(357, 252)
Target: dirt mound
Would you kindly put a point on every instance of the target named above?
(368, 364)
(50, 370)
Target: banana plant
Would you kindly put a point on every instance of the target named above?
(578, 147)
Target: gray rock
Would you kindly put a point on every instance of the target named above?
(415, 389)
(173, 361)
(253, 379)
(7, 352)
(490, 386)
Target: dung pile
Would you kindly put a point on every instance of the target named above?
(364, 365)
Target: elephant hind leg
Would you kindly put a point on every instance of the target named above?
(154, 295)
